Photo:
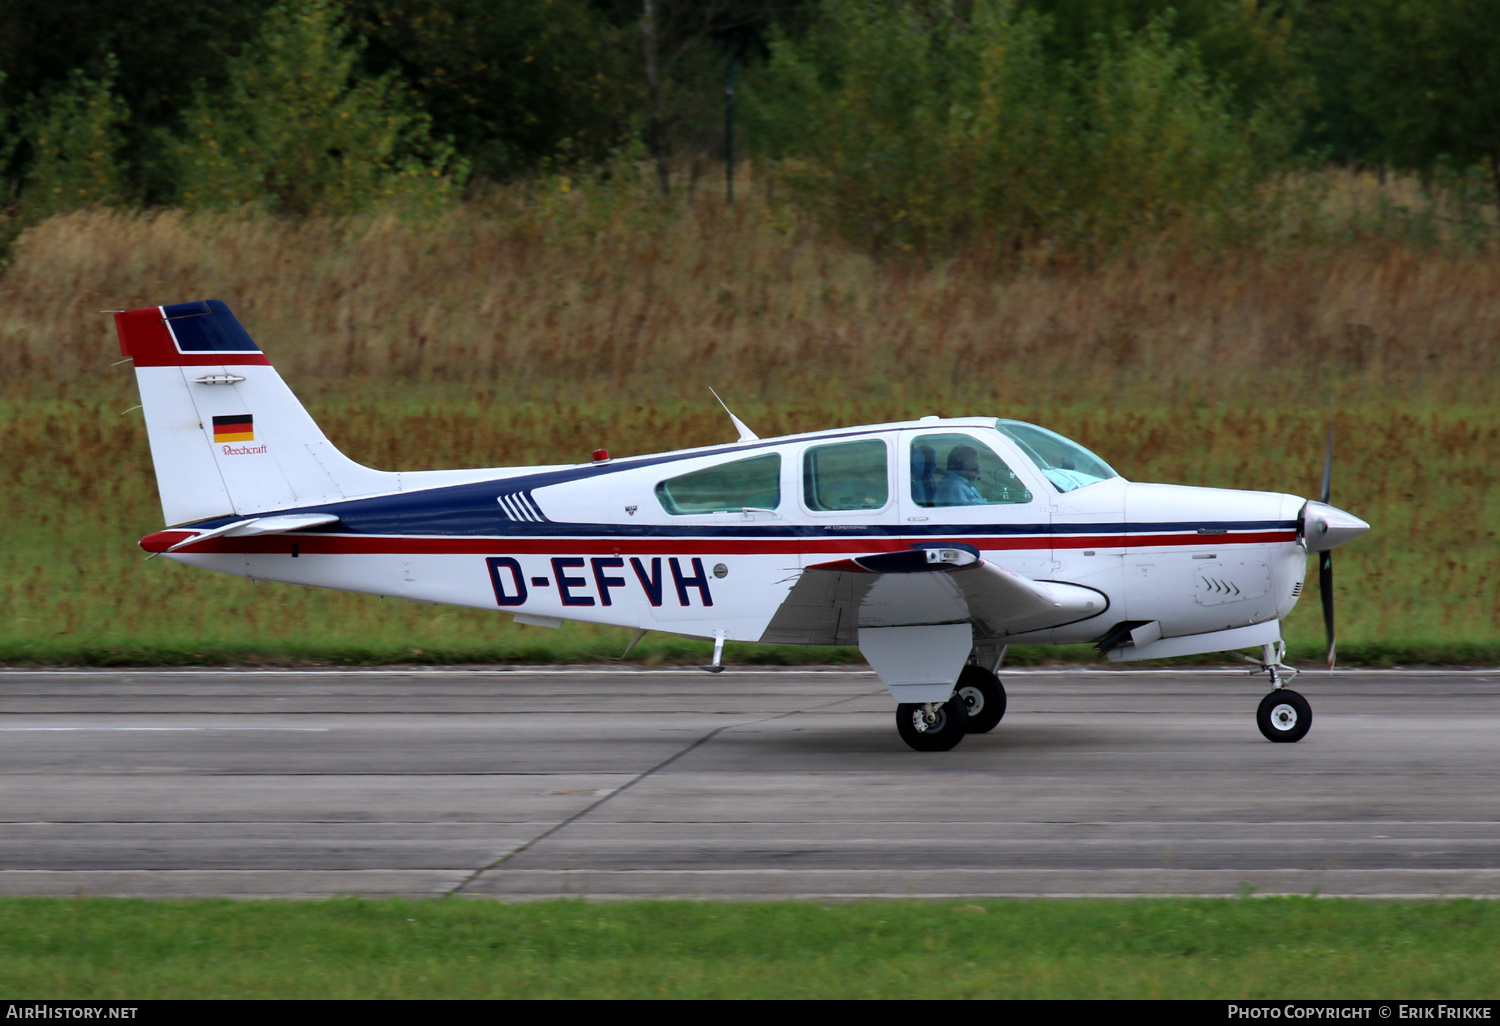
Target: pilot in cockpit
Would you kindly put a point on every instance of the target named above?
(956, 487)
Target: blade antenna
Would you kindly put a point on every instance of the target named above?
(746, 435)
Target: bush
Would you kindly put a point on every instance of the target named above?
(76, 143)
(911, 128)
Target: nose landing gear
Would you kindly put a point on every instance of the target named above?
(1283, 716)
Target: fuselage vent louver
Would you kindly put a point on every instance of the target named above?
(518, 506)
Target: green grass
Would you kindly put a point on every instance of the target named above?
(1287, 948)
(1422, 587)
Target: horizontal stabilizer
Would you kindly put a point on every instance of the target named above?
(173, 540)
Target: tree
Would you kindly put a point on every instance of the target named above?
(76, 146)
(512, 82)
(155, 52)
(1428, 76)
(923, 124)
(298, 130)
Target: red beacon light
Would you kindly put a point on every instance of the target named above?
(601, 455)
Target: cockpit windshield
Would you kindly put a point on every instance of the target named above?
(1065, 463)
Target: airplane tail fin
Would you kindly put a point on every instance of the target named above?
(227, 434)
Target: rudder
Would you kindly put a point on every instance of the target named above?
(227, 434)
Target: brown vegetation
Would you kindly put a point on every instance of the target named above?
(520, 307)
(487, 340)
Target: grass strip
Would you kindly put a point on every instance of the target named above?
(1277, 948)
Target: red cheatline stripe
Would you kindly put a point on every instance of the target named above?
(310, 544)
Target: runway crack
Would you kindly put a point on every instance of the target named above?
(463, 884)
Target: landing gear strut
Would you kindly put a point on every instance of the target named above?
(1283, 716)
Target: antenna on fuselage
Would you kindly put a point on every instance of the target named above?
(746, 435)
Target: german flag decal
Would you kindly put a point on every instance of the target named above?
(239, 428)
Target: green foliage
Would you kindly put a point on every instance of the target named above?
(1159, 145)
(1428, 75)
(911, 128)
(298, 130)
(512, 82)
(76, 144)
(156, 51)
(1248, 48)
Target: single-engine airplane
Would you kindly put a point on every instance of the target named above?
(932, 544)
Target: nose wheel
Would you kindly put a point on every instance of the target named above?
(1284, 716)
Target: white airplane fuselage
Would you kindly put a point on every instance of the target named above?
(932, 544)
(594, 543)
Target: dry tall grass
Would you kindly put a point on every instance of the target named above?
(520, 308)
(505, 336)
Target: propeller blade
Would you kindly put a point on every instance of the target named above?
(1328, 462)
(1325, 591)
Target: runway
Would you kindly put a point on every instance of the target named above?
(523, 784)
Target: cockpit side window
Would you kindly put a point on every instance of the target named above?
(727, 488)
(1065, 463)
(960, 470)
(846, 476)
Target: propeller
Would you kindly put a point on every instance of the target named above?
(1325, 558)
(1322, 528)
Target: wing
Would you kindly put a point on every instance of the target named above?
(927, 584)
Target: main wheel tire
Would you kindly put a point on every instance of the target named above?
(1284, 716)
(946, 730)
(984, 695)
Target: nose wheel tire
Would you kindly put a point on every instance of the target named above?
(1284, 716)
(984, 696)
(946, 728)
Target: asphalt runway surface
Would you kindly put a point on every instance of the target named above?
(522, 784)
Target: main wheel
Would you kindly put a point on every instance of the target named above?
(984, 695)
(1284, 716)
(946, 729)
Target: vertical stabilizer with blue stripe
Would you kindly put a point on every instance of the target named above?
(227, 434)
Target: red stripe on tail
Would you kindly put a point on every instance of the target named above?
(145, 339)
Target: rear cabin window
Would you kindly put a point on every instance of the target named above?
(846, 476)
(960, 470)
(727, 488)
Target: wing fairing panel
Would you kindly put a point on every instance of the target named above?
(930, 584)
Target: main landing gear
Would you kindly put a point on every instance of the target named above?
(932, 726)
(1283, 716)
(976, 707)
(983, 693)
